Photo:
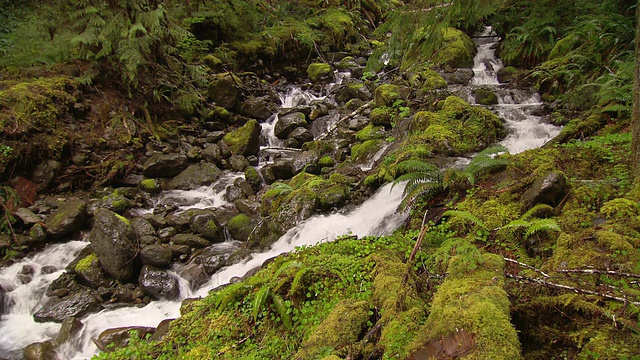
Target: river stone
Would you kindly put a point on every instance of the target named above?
(112, 339)
(191, 240)
(214, 257)
(225, 90)
(205, 223)
(158, 283)
(247, 206)
(194, 176)
(238, 162)
(115, 202)
(69, 330)
(38, 233)
(142, 227)
(245, 140)
(113, 240)
(258, 107)
(301, 135)
(44, 173)
(161, 330)
(304, 159)
(246, 188)
(89, 272)
(288, 122)
(194, 274)
(164, 165)
(156, 255)
(301, 206)
(40, 351)
(458, 77)
(68, 218)
(212, 154)
(332, 197)
(77, 305)
(27, 217)
(281, 169)
(233, 193)
(549, 189)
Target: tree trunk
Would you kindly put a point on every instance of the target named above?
(635, 115)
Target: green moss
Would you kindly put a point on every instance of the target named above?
(386, 95)
(485, 96)
(86, 262)
(240, 227)
(320, 147)
(150, 185)
(370, 132)
(318, 71)
(364, 150)
(211, 61)
(620, 208)
(243, 138)
(455, 105)
(326, 161)
(431, 80)
(332, 197)
(457, 51)
(422, 119)
(123, 219)
(277, 189)
(253, 178)
(381, 116)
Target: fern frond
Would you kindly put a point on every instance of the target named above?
(281, 308)
(259, 301)
(539, 208)
(465, 215)
(298, 281)
(518, 224)
(542, 225)
(426, 190)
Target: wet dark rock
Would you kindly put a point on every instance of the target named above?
(179, 249)
(212, 154)
(167, 233)
(457, 77)
(244, 140)
(158, 283)
(40, 351)
(549, 189)
(113, 240)
(225, 150)
(68, 218)
(194, 274)
(258, 107)
(287, 123)
(161, 330)
(76, 305)
(89, 272)
(214, 257)
(301, 135)
(111, 339)
(301, 206)
(191, 240)
(358, 123)
(205, 223)
(27, 216)
(142, 227)
(69, 330)
(65, 282)
(44, 173)
(238, 162)
(304, 159)
(194, 176)
(164, 165)
(281, 169)
(318, 110)
(234, 193)
(247, 206)
(485, 96)
(115, 202)
(332, 197)
(156, 255)
(246, 188)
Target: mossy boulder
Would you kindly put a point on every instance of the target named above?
(382, 116)
(485, 96)
(252, 176)
(319, 72)
(89, 272)
(506, 74)
(194, 176)
(326, 161)
(205, 223)
(370, 132)
(113, 241)
(152, 186)
(332, 197)
(164, 165)
(457, 50)
(240, 227)
(244, 140)
(422, 119)
(361, 152)
(343, 327)
(225, 90)
(386, 95)
(68, 218)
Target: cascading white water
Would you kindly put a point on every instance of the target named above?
(519, 108)
(25, 283)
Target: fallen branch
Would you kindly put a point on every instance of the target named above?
(347, 117)
(527, 266)
(597, 271)
(571, 288)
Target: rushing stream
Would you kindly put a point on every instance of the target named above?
(25, 282)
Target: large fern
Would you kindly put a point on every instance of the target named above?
(485, 162)
(424, 181)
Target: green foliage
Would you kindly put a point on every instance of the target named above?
(8, 199)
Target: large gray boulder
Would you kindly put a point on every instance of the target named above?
(68, 218)
(156, 255)
(76, 305)
(158, 283)
(281, 169)
(205, 223)
(244, 140)
(112, 239)
(191, 240)
(548, 189)
(194, 176)
(258, 107)
(225, 90)
(288, 122)
(111, 339)
(164, 165)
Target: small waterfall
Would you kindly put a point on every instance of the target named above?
(521, 109)
(24, 284)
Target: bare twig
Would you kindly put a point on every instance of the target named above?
(527, 266)
(347, 117)
(570, 288)
(597, 271)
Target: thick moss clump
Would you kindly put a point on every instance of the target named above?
(457, 50)
(470, 312)
(319, 71)
(366, 149)
(422, 119)
(244, 140)
(386, 95)
(86, 262)
(485, 96)
(253, 178)
(370, 132)
(151, 186)
(381, 116)
(240, 227)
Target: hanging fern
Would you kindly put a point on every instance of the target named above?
(465, 215)
(259, 302)
(485, 162)
(281, 308)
